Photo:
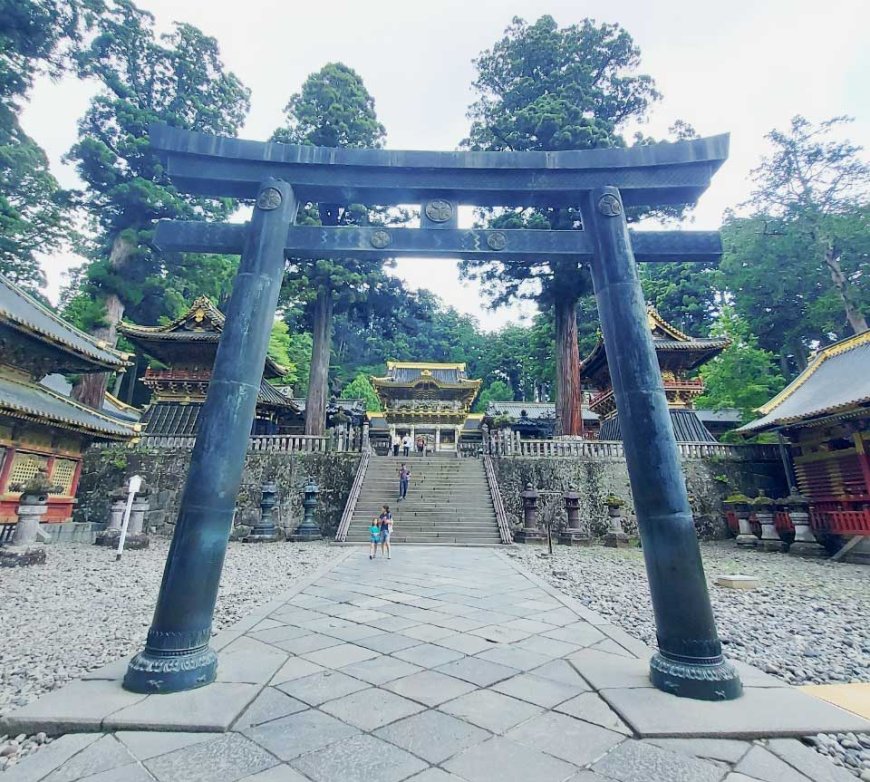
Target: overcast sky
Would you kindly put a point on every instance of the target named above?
(742, 67)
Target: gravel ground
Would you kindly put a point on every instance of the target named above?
(82, 609)
(807, 623)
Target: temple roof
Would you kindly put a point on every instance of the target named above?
(75, 350)
(532, 411)
(34, 402)
(674, 349)
(836, 381)
(195, 332)
(407, 374)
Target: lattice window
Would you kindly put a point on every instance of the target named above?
(24, 468)
(62, 475)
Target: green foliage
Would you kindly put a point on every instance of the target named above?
(361, 388)
(333, 109)
(497, 391)
(797, 268)
(291, 351)
(177, 78)
(36, 36)
(744, 375)
(683, 293)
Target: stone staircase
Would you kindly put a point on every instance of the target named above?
(448, 502)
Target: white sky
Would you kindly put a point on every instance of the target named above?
(742, 67)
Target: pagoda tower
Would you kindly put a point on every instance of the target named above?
(186, 349)
(678, 355)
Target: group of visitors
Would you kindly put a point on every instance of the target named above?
(404, 443)
(382, 526)
(380, 531)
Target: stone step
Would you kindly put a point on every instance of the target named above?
(436, 539)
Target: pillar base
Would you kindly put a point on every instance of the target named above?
(805, 548)
(262, 536)
(150, 672)
(570, 537)
(110, 537)
(22, 556)
(747, 541)
(305, 535)
(772, 545)
(617, 540)
(717, 681)
(530, 536)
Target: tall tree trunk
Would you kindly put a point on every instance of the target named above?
(90, 389)
(569, 418)
(315, 404)
(856, 319)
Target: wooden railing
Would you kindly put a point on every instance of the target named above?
(350, 505)
(501, 446)
(504, 528)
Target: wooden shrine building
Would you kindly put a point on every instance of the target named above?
(186, 350)
(824, 415)
(41, 428)
(428, 401)
(678, 355)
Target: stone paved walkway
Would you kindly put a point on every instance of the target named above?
(438, 665)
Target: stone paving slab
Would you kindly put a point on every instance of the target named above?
(440, 665)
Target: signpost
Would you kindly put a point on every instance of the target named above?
(132, 489)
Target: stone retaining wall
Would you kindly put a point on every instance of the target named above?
(164, 470)
(709, 481)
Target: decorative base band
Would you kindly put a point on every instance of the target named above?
(152, 672)
(305, 535)
(574, 538)
(261, 536)
(717, 681)
(530, 536)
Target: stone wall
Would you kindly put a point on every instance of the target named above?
(709, 481)
(165, 470)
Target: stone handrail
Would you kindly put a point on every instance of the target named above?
(504, 528)
(258, 443)
(598, 449)
(350, 505)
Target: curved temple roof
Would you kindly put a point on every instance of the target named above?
(837, 379)
(666, 173)
(25, 314)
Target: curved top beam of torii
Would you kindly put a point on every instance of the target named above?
(652, 175)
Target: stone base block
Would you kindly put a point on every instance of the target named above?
(805, 549)
(737, 582)
(304, 536)
(261, 537)
(747, 541)
(22, 556)
(617, 540)
(110, 537)
(574, 538)
(530, 536)
(771, 545)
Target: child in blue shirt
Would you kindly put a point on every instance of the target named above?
(375, 534)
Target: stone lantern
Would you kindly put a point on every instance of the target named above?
(573, 535)
(265, 531)
(763, 507)
(805, 543)
(308, 529)
(615, 537)
(531, 532)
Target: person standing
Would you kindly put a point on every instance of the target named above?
(396, 443)
(406, 445)
(375, 534)
(385, 521)
(404, 480)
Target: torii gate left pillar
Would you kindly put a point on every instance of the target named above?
(177, 655)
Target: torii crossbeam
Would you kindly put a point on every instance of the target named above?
(601, 183)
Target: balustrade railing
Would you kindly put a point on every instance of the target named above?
(503, 444)
(261, 443)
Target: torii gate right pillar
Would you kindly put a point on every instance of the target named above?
(689, 662)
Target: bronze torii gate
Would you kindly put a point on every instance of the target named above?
(278, 177)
